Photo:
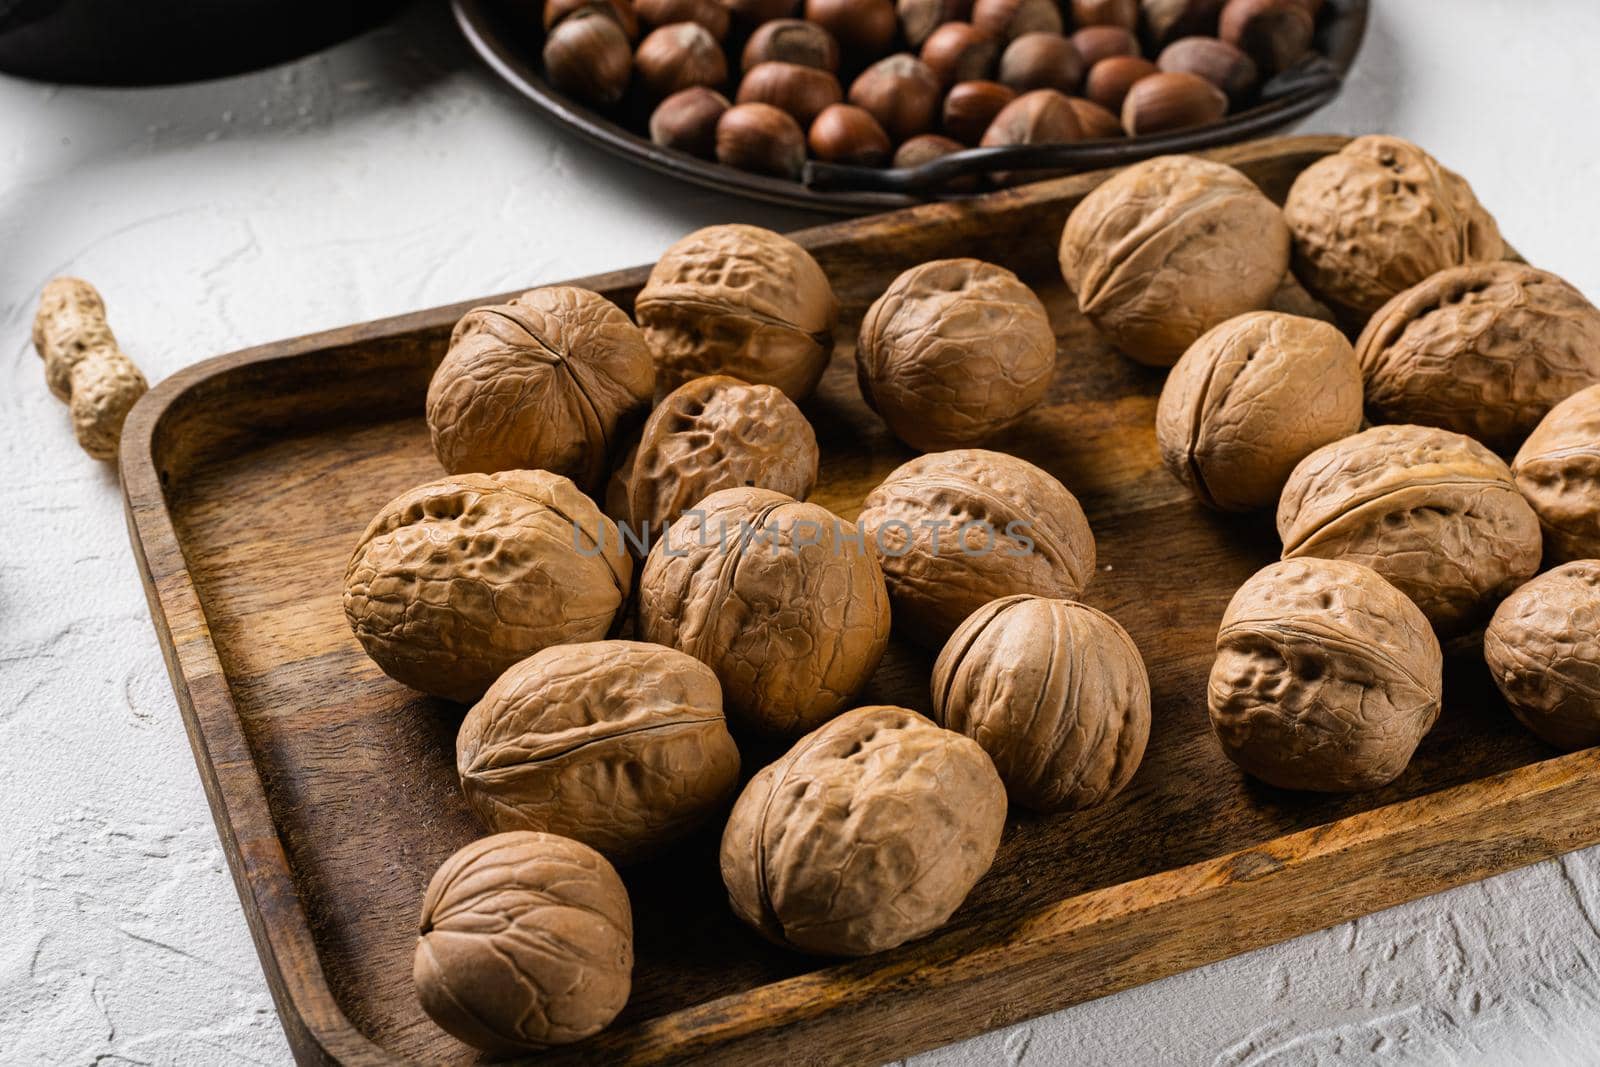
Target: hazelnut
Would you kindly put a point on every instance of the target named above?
(901, 92)
(786, 607)
(679, 56)
(588, 56)
(1042, 116)
(1055, 692)
(739, 300)
(756, 12)
(1005, 20)
(1557, 469)
(970, 107)
(1252, 398)
(1218, 62)
(1095, 121)
(1168, 248)
(1542, 649)
(1095, 43)
(526, 941)
(955, 530)
(864, 28)
(1110, 80)
(844, 133)
(1434, 512)
(620, 11)
(541, 382)
(1123, 14)
(1167, 20)
(717, 433)
(617, 744)
(1378, 217)
(687, 121)
(1165, 102)
(1326, 677)
(927, 147)
(953, 352)
(1274, 33)
(456, 580)
(1486, 350)
(1041, 61)
(792, 41)
(708, 13)
(919, 18)
(958, 52)
(801, 91)
(868, 833)
(761, 138)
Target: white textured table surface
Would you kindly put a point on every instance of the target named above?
(394, 173)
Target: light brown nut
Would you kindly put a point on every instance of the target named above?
(1169, 248)
(456, 580)
(1485, 350)
(526, 942)
(1252, 398)
(83, 364)
(1558, 471)
(868, 833)
(618, 744)
(955, 530)
(1543, 649)
(542, 382)
(782, 600)
(717, 433)
(1378, 217)
(1054, 691)
(743, 301)
(1326, 677)
(953, 352)
(1432, 511)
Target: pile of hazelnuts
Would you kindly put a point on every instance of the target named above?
(926, 77)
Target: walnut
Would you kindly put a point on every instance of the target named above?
(541, 382)
(1558, 471)
(954, 351)
(1252, 398)
(1432, 511)
(868, 833)
(1380, 216)
(526, 942)
(1167, 249)
(1485, 350)
(743, 301)
(717, 433)
(1543, 649)
(1054, 691)
(618, 744)
(782, 600)
(1326, 677)
(456, 580)
(955, 530)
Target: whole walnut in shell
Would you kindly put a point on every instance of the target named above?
(954, 351)
(541, 382)
(456, 580)
(1485, 350)
(618, 744)
(1167, 249)
(1326, 677)
(1543, 649)
(717, 433)
(1252, 398)
(526, 942)
(743, 301)
(1378, 217)
(955, 530)
(868, 833)
(1054, 691)
(784, 604)
(1558, 471)
(1432, 511)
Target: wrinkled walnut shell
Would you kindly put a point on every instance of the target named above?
(1432, 511)
(1543, 649)
(1558, 471)
(1055, 692)
(868, 833)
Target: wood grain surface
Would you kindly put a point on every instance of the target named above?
(249, 477)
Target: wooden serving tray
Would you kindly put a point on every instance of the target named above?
(249, 477)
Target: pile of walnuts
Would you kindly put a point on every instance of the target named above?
(764, 84)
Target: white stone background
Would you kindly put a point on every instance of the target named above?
(393, 173)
